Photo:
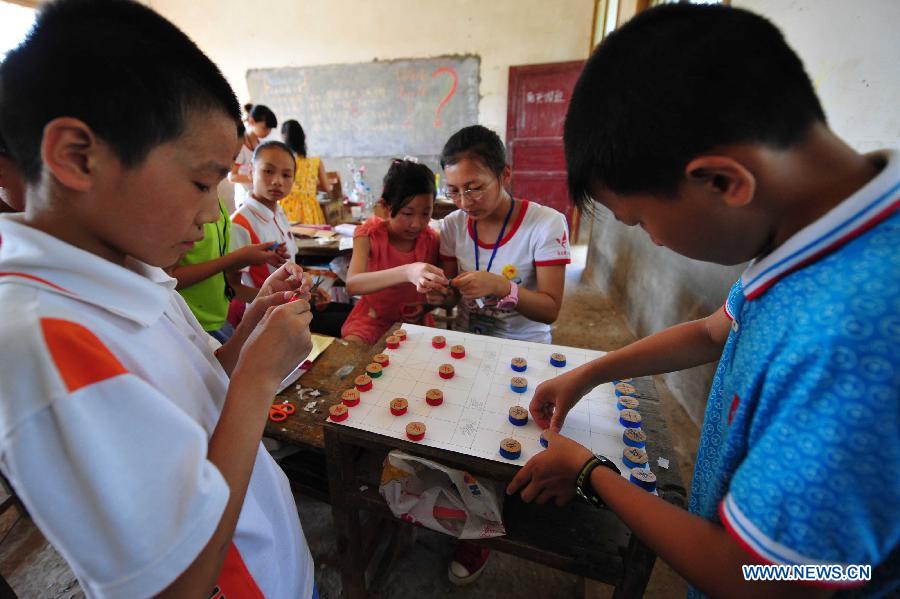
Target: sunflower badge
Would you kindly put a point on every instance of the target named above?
(510, 271)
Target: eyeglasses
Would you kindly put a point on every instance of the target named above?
(471, 194)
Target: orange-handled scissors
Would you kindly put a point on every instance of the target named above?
(280, 411)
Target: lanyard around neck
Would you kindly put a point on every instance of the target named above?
(512, 204)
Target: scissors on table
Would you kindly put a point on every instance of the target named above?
(279, 412)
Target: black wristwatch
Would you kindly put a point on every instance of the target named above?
(583, 483)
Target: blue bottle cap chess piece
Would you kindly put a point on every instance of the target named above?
(518, 364)
(630, 418)
(627, 402)
(519, 384)
(510, 449)
(643, 478)
(634, 457)
(518, 415)
(634, 437)
(558, 360)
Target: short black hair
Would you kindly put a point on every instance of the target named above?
(263, 114)
(293, 135)
(478, 143)
(404, 180)
(676, 81)
(272, 145)
(125, 71)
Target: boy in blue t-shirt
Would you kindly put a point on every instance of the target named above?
(699, 124)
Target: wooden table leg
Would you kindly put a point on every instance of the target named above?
(638, 560)
(638, 563)
(346, 516)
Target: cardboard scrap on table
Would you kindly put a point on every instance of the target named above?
(305, 231)
(320, 344)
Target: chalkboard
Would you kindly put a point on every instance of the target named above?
(375, 109)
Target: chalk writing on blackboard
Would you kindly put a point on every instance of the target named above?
(389, 108)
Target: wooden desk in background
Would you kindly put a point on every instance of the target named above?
(577, 538)
(307, 247)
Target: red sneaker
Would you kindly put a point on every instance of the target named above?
(468, 562)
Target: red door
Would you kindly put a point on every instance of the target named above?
(538, 99)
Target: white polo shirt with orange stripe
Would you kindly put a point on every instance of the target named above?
(109, 393)
(255, 223)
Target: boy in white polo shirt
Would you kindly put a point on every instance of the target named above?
(135, 448)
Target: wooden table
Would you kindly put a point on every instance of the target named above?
(577, 538)
(307, 247)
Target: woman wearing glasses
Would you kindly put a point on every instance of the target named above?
(506, 259)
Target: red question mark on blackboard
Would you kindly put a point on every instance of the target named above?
(437, 113)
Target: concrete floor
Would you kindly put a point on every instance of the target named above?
(588, 319)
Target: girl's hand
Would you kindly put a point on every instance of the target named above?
(426, 277)
(257, 253)
(475, 284)
(555, 397)
(551, 473)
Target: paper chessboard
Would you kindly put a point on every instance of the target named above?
(474, 417)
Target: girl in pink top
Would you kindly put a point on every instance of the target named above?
(393, 263)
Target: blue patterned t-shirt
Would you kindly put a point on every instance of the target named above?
(799, 455)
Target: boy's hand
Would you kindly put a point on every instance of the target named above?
(475, 284)
(280, 341)
(551, 473)
(426, 277)
(257, 253)
(281, 250)
(555, 397)
(289, 277)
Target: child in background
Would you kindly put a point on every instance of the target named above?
(135, 448)
(800, 441)
(201, 274)
(507, 261)
(393, 262)
(260, 122)
(12, 188)
(301, 204)
(260, 218)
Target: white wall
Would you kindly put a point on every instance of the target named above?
(239, 35)
(852, 52)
